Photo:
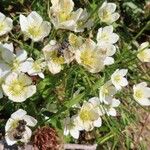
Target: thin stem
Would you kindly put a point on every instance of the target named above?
(143, 29)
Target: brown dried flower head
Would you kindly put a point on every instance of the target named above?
(46, 138)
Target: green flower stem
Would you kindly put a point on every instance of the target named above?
(143, 29)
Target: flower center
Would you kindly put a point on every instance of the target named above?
(64, 16)
(85, 115)
(117, 78)
(106, 15)
(105, 36)
(2, 26)
(138, 94)
(53, 55)
(87, 58)
(35, 31)
(16, 87)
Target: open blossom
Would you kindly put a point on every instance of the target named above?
(109, 107)
(62, 14)
(17, 127)
(107, 13)
(106, 35)
(83, 22)
(71, 127)
(89, 115)
(88, 55)
(18, 87)
(106, 92)
(34, 27)
(118, 78)
(34, 68)
(6, 24)
(14, 61)
(107, 50)
(53, 57)
(144, 52)
(142, 93)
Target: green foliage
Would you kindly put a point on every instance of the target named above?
(55, 96)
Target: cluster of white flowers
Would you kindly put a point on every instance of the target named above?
(91, 112)
(17, 67)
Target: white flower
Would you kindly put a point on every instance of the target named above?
(118, 79)
(54, 56)
(34, 27)
(34, 68)
(62, 14)
(142, 93)
(17, 129)
(89, 115)
(106, 92)
(71, 127)
(107, 50)
(144, 52)
(14, 61)
(107, 13)
(106, 35)
(109, 108)
(18, 87)
(88, 55)
(83, 22)
(6, 24)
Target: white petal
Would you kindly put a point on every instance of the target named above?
(124, 82)
(146, 91)
(115, 102)
(74, 133)
(112, 112)
(111, 7)
(24, 77)
(144, 102)
(27, 135)
(114, 38)
(109, 61)
(26, 66)
(23, 23)
(30, 120)
(108, 29)
(8, 125)
(88, 126)
(11, 77)
(95, 101)
(8, 56)
(123, 72)
(9, 140)
(9, 46)
(98, 122)
(20, 113)
(54, 68)
(46, 27)
(30, 91)
(2, 16)
(115, 17)
(66, 131)
(41, 75)
(34, 18)
(21, 55)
